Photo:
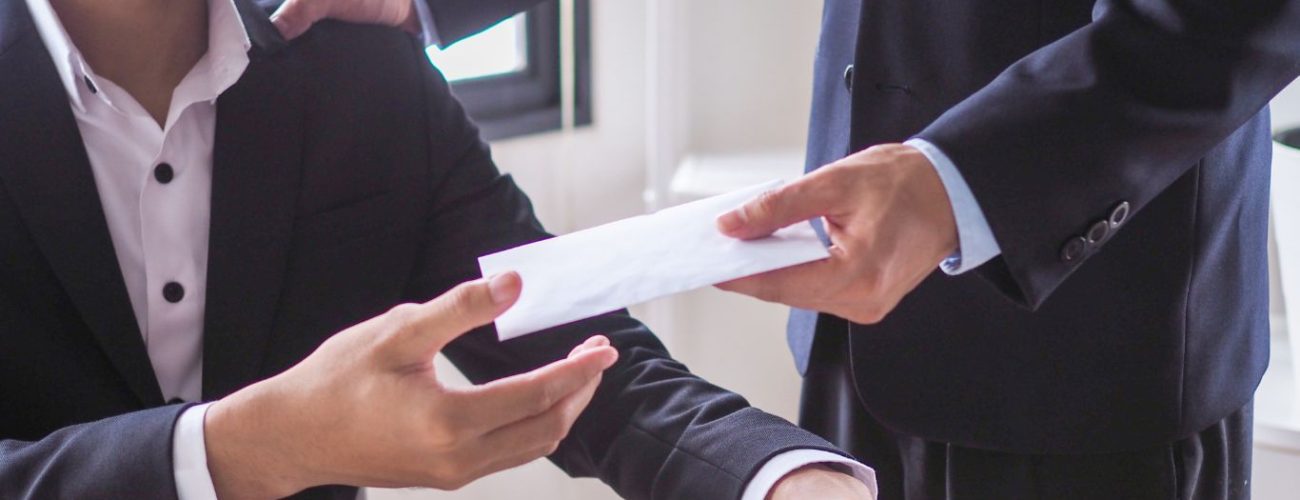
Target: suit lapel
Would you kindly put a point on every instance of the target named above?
(256, 167)
(44, 168)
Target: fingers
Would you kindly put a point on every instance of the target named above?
(421, 330)
(829, 286)
(497, 404)
(517, 442)
(294, 17)
(804, 286)
(807, 198)
(826, 286)
(589, 344)
(539, 435)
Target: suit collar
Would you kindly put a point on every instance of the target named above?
(65, 56)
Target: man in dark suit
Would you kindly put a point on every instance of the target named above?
(1094, 177)
(1102, 169)
(191, 208)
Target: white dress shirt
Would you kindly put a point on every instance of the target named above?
(155, 184)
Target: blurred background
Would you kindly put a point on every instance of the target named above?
(606, 109)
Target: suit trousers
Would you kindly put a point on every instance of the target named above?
(1213, 464)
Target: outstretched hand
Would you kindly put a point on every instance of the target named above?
(890, 224)
(367, 408)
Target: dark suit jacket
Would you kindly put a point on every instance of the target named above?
(346, 180)
(1056, 113)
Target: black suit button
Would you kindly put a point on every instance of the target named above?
(848, 78)
(1098, 232)
(1073, 249)
(164, 173)
(90, 85)
(1119, 214)
(173, 292)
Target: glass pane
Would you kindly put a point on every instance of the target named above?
(498, 50)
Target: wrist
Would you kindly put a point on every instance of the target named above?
(819, 481)
(250, 447)
(932, 199)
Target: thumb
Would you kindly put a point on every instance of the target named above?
(295, 17)
(422, 330)
(789, 204)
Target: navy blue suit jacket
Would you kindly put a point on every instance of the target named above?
(1057, 113)
(346, 180)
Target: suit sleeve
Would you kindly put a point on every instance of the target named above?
(653, 430)
(127, 456)
(1114, 112)
(457, 19)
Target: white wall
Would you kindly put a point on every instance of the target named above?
(1286, 107)
(749, 73)
(594, 174)
(1274, 466)
(747, 85)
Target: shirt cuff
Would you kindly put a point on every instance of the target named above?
(975, 242)
(190, 456)
(428, 30)
(777, 467)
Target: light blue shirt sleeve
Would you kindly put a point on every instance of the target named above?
(428, 30)
(975, 242)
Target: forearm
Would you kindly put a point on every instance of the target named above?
(126, 456)
(653, 425)
(251, 452)
(655, 415)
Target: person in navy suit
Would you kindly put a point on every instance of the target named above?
(1093, 179)
(1048, 223)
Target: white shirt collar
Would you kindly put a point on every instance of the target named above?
(216, 71)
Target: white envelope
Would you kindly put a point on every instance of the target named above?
(609, 267)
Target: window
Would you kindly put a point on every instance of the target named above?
(500, 50)
(508, 76)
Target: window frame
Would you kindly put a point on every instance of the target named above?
(529, 101)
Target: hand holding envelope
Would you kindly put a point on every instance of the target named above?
(888, 218)
(635, 260)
